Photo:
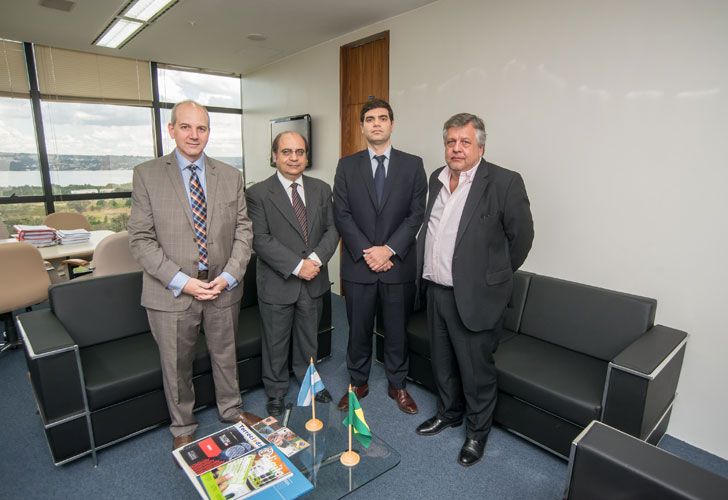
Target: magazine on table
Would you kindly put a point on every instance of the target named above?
(235, 463)
(284, 438)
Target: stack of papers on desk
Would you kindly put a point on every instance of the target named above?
(71, 236)
(39, 236)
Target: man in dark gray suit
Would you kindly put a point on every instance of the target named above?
(379, 202)
(294, 238)
(189, 231)
(478, 231)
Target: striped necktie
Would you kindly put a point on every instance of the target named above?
(300, 210)
(199, 214)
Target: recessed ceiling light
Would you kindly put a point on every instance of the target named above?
(144, 10)
(120, 30)
(256, 37)
(129, 21)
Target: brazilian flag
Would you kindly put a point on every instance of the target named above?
(359, 426)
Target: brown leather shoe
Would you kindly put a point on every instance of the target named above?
(245, 417)
(361, 391)
(403, 399)
(180, 441)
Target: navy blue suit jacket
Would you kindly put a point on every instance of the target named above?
(363, 224)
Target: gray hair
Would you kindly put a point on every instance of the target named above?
(461, 120)
(173, 119)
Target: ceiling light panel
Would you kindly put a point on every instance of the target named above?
(144, 10)
(120, 30)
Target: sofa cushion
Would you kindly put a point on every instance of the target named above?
(560, 381)
(119, 370)
(102, 309)
(586, 319)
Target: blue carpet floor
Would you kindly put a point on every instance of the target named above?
(142, 467)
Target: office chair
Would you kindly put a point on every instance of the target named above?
(67, 220)
(112, 256)
(25, 283)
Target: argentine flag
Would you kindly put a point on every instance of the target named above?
(310, 379)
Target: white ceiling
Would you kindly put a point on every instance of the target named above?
(208, 34)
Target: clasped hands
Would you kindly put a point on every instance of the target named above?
(202, 290)
(378, 258)
(309, 269)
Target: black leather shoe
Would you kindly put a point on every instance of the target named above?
(275, 407)
(323, 396)
(436, 424)
(472, 451)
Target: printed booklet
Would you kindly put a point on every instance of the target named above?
(235, 463)
(284, 438)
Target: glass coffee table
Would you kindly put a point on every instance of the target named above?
(320, 461)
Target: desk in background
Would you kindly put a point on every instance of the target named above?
(56, 254)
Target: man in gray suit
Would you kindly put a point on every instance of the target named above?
(294, 238)
(190, 233)
(478, 230)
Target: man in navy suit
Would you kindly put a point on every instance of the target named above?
(379, 204)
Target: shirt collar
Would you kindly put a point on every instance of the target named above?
(184, 162)
(387, 153)
(287, 183)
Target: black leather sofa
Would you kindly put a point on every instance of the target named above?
(94, 366)
(606, 463)
(572, 353)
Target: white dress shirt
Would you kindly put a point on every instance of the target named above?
(442, 226)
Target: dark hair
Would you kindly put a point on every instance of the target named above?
(374, 104)
(461, 120)
(277, 140)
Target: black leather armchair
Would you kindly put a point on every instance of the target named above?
(94, 366)
(605, 464)
(572, 353)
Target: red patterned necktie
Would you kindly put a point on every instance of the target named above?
(300, 210)
(199, 214)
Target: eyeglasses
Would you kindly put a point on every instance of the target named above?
(288, 152)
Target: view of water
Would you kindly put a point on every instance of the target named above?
(66, 177)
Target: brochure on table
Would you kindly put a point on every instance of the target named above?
(235, 463)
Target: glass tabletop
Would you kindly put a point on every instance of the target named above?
(320, 461)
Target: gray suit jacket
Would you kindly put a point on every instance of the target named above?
(161, 232)
(493, 239)
(278, 240)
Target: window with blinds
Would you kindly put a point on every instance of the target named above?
(13, 73)
(82, 76)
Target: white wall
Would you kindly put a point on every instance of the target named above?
(614, 112)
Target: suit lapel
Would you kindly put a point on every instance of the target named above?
(365, 170)
(175, 178)
(280, 200)
(210, 189)
(480, 182)
(312, 195)
(435, 187)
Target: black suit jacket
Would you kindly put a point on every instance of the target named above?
(278, 239)
(493, 240)
(362, 224)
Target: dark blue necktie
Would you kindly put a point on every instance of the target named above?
(379, 176)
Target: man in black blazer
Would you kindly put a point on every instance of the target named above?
(379, 202)
(293, 237)
(478, 230)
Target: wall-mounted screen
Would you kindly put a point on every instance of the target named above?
(298, 123)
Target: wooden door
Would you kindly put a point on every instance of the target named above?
(364, 75)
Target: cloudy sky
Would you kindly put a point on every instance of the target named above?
(95, 129)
